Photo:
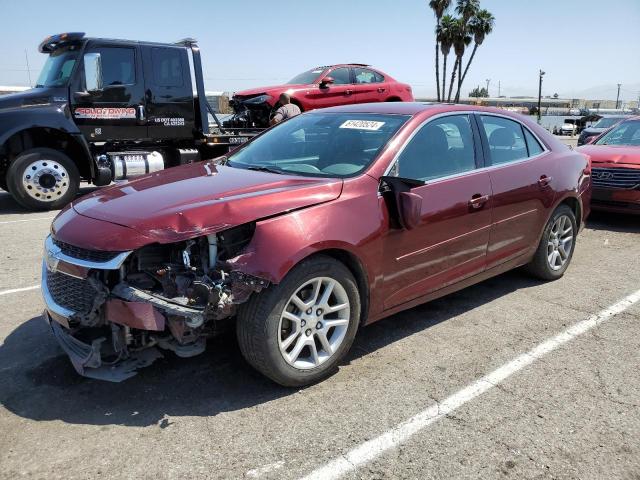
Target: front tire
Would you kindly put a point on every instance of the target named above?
(555, 250)
(43, 179)
(297, 332)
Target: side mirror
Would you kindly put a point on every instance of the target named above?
(326, 81)
(410, 209)
(405, 207)
(93, 72)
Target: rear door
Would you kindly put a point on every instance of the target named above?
(117, 112)
(451, 242)
(522, 172)
(369, 85)
(168, 92)
(340, 92)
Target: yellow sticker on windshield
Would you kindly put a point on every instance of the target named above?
(362, 124)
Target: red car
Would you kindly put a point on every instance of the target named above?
(329, 221)
(319, 88)
(615, 160)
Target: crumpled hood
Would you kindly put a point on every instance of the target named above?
(184, 202)
(34, 96)
(274, 91)
(612, 154)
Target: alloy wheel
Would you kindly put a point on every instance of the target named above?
(560, 242)
(314, 323)
(45, 180)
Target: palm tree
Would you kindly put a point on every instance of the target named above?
(460, 40)
(480, 26)
(467, 9)
(445, 38)
(438, 7)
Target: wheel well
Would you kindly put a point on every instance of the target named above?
(42, 137)
(357, 270)
(297, 103)
(574, 205)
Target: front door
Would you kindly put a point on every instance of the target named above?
(117, 111)
(168, 92)
(451, 242)
(522, 174)
(341, 92)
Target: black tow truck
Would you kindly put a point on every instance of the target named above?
(105, 110)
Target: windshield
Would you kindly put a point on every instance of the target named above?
(607, 122)
(627, 133)
(306, 78)
(58, 67)
(320, 144)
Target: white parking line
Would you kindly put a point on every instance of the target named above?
(27, 220)
(369, 450)
(18, 290)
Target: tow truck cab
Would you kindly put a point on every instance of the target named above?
(105, 110)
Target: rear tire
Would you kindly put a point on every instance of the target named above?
(297, 346)
(43, 179)
(555, 250)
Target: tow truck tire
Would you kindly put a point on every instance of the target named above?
(43, 179)
(272, 326)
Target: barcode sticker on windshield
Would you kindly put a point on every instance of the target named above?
(362, 124)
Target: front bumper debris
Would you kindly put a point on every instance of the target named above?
(87, 359)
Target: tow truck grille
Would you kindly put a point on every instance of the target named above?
(84, 254)
(619, 178)
(72, 293)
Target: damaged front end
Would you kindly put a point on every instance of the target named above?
(112, 312)
(250, 111)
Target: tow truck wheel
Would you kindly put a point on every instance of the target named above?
(43, 179)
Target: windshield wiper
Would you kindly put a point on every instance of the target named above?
(265, 169)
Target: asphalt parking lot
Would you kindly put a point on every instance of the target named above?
(571, 412)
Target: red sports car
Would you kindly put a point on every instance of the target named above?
(319, 88)
(615, 160)
(329, 221)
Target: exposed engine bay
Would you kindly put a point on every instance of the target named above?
(171, 296)
(251, 112)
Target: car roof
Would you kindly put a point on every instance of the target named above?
(416, 108)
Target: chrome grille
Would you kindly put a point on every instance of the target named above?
(622, 178)
(72, 293)
(84, 254)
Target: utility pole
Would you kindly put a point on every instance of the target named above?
(488, 82)
(618, 96)
(26, 57)
(498, 88)
(540, 95)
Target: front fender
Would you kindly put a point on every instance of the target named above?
(54, 116)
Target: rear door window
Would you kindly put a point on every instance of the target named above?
(533, 145)
(364, 75)
(505, 139)
(167, 67)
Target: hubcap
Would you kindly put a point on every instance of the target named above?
(45, 180)
(560, 242)
(314, 323)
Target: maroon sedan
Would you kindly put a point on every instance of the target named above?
(615, 161)
(319, 87)
(329, 221)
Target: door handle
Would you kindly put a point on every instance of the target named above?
(381, 90)
(544, 181)
(477, 201)
(348, 92)
(141, 113)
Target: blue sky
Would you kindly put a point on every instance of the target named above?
(585, 46)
